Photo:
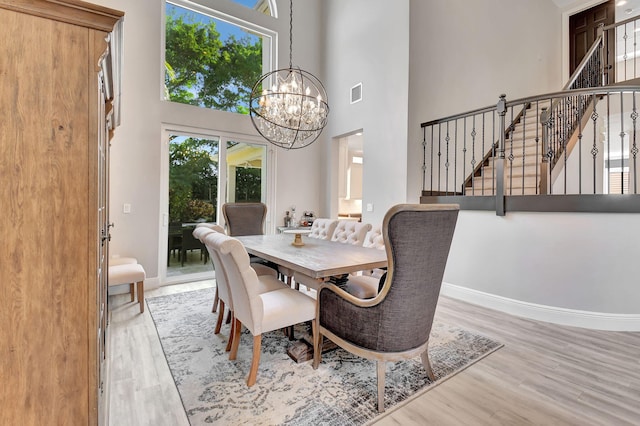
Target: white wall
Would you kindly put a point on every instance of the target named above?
(464, 54)
(367, 41)
(564, 260)
(136, 148)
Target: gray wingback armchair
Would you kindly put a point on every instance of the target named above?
(396, 324)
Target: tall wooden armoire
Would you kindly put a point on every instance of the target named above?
(58, 109)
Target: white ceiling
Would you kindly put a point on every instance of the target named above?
(627, 9)
(621, 9)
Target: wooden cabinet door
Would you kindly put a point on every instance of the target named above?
(53, 198)
(46, 178)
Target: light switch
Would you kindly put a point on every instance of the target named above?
(126, 208)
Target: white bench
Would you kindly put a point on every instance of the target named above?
(129, 273)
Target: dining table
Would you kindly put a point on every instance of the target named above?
(315, 258)
(319, 260)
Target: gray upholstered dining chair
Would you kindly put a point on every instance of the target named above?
(396, 324)
(244, 218)
(259, 311)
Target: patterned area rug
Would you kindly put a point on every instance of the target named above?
(342, 391)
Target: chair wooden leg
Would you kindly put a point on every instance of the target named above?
(231, 334)
(141, 295)
(382, 366)
(236, 339)
(132, 292)
(427, 365)
(215, 301)
(317, 345)
(253, 373)
(219, 321)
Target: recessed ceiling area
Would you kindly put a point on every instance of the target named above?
(624, 8)
(627, 9)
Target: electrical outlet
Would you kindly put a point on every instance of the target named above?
(126, 208)
(369, 207)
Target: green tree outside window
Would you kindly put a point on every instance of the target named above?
(193, 179)
(205, 70)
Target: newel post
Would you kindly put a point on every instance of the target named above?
(604, 64)
(501, 109)
(544, 163)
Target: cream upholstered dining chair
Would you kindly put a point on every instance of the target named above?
(258, 312)
(223, 291)
(350, 232)
(201, 231)
(210, 225)
(366, 285)
(374, 238)
(323, 228)
(396, 324)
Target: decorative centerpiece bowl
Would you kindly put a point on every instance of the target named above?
(298, 233)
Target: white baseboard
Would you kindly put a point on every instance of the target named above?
(151, 283)
(563, 316)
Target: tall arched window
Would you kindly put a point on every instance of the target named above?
(268, 7)
(213, 59)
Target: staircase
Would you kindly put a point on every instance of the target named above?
(557, 152)
(523, 150)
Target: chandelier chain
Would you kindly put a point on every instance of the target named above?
(290, 33)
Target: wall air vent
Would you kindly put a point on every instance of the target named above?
(356, 93)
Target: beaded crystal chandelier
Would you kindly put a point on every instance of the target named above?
(288, 107)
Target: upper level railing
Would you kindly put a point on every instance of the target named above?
(581, 140)
(522, 148)
(621, 40)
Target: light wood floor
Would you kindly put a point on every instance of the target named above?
(544, 375)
